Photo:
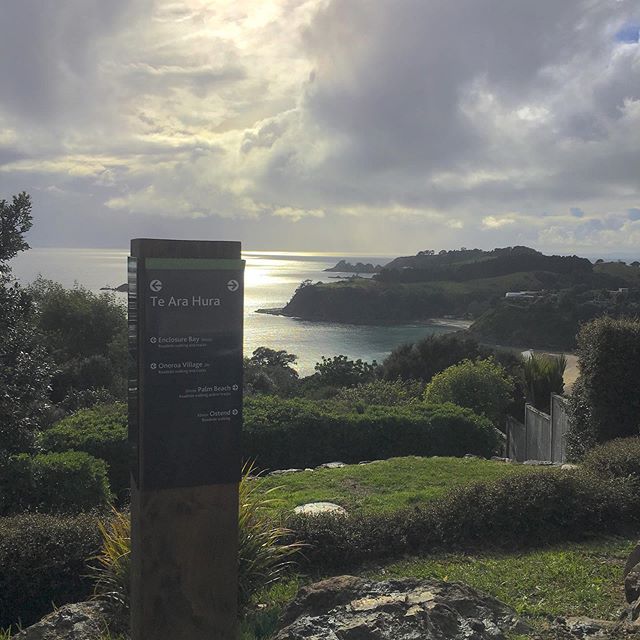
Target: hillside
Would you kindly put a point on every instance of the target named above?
(472, 284)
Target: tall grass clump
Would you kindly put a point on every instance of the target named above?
(263, 554)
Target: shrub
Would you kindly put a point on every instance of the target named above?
(617, 458)
(606, 402)
(101, 432)
(480, 385)
(42, 561)
(339, 371)
(520, 510)
(303, 433)
(67, 482)
(380, 392)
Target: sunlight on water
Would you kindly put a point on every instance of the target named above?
(270, 280)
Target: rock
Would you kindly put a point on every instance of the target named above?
(331, 465)
(632, 586)
(352, 608)
(471, 456)
(569, 467)
(539, 463)
(632, 561)
(499, 459)
(284, 472)
(583, 627)
(314, 508)
(81, 621)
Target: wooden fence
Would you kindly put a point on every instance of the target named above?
(542, 436)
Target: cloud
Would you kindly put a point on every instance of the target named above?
(490, 121)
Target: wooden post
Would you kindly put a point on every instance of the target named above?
(185, 415)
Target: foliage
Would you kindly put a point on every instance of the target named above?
(270, 371)
(24, 371)
(282, 433)
(85, 333)
(263, 554)
(617, 458)
(67, 482)
(24, 367)
(380, 392)
(43, 562)
(606, 402)
(514, 511)
(543, 375)
(435, 353)
(100, 431)
(111, 567)
(340, 371)
(15, 221)
(480, 385)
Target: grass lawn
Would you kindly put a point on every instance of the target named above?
(571, 579)
(382, 486)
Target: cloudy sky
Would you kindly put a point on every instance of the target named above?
(341, 125)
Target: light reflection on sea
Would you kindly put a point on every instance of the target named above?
(270, 280)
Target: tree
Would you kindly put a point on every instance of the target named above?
(423, 359)
(24, 366)
(339, 371)
(86, 335)
(543, 375)
(605, 401)
(15, 221)
(270, 371)
(481, 385)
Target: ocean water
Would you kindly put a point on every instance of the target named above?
(270, 280)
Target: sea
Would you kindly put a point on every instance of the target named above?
(271, 278)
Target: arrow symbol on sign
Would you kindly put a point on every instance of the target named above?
(233, 285)
(155, 285)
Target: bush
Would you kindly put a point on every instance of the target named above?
(480, 385)
(303, 433)
(521, 510)
(101, 432)
(380, 392)
(42, 561)
(617, 458)
(605, 403)
(67, 482)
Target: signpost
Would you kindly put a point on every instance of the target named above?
(185, 417)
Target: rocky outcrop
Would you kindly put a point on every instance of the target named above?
(632, 585)
(347, 267)
(81, 621)
(352, 608)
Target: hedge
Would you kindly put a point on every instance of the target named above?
(43, 561)
(68, 482)
(101, 432)
(521, 510)
(617, 458)
(282, 433)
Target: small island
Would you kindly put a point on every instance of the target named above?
(360, 267)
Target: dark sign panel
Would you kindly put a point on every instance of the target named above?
(189, 316)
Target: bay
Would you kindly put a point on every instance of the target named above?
(271, 278)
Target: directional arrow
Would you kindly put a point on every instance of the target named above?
(233, 285)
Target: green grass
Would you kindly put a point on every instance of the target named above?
(572, 579)
(382, 486)
(567, 580)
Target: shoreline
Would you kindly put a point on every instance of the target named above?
(457, 323)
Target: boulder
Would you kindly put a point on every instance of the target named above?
(81, 621)
(632, 586)
(314, 508)
(331, 465)
(352, 608)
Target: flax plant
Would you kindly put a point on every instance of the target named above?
(263, 551)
